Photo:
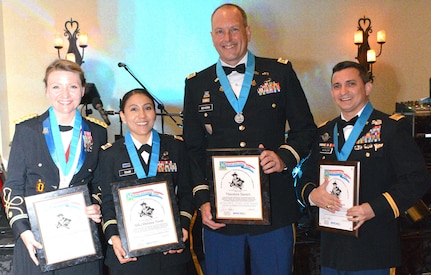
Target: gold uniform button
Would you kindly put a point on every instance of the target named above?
(273, 105)
(242, 144)
(367, 154)
(241, 127)
(205, 114)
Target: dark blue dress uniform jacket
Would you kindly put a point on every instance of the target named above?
(113, 169)
(393, 177)
(30, 162)
(209, 123)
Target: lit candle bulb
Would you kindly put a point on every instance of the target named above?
(71, 57)
(371, 56)
(83, 40)
(358, 37)
(381, 37)
(58, 42)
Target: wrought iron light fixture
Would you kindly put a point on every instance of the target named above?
(73, 35)
(366, 56)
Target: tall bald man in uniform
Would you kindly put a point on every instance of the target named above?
(244, 101)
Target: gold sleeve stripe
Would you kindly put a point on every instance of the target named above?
(392, 204)
(17, 217)
(97, 197)
(186, 214)
(293, 151)
(305, 187)
(199, 188)
(108, 223)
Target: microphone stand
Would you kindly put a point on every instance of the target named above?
(160, 105)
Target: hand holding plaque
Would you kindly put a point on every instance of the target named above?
(241, 189)
(342, 180)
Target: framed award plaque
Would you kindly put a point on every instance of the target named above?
(147, 215)
(59, 222)
(342, 179)
(240, 188)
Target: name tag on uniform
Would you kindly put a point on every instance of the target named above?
(205, 108)
(126, 172)
(326, 148)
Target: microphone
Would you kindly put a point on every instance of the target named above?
(98, 105)
(121, 64)
(111, 112)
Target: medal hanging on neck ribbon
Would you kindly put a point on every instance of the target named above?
(55, 144)
(237, 103)
(357, 129)
(133, 154)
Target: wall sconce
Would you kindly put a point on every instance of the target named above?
(71, 31)
(366, 56)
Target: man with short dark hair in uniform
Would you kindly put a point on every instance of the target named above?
(393, 177)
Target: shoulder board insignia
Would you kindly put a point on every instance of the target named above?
(323, 124)
(179, 138)
(191, 75)
(24, 118)
(282, 60)
(396, 116)
(106, 146)
(97, 121)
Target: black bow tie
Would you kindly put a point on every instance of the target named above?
(342, 123)
(65, 128)
(144, 147)
(239, 68)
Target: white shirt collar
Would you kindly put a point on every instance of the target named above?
(139, 144)
(243, 60)
(358, 114)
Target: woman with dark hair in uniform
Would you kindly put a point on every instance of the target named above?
(121, 162)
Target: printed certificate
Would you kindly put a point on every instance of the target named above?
(343, 181)
(59, 223)
(147, 215)
(241, 189)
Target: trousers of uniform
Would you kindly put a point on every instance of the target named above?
(270, 253)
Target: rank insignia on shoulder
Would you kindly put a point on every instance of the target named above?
(180, 138)
(24, 118)
(323, 124)
(191, 75)
(396, 116)
(282, 60)
(97, 121)
(106, 146)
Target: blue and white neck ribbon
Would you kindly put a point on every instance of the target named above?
(133, 154)
(237, 103)
(55, 144)
(343, 155)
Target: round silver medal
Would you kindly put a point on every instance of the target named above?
(239, 118)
